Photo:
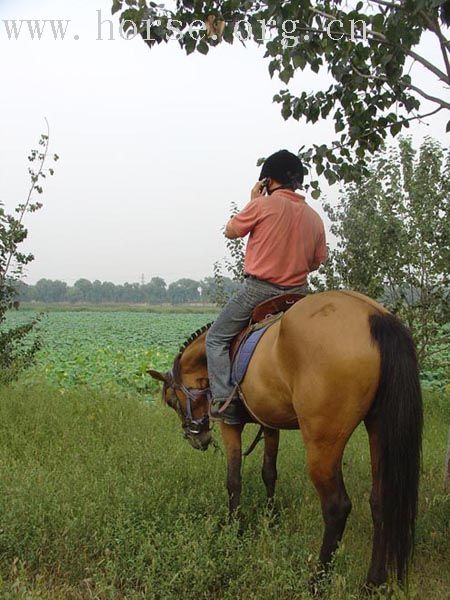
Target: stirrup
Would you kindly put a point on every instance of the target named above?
(229, 411)
(233, 396)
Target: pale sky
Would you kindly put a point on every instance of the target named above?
(154, 145)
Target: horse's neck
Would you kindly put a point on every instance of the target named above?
(193, 360)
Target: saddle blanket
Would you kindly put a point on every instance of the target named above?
(245, 353)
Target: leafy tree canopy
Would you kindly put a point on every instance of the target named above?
(155, 291)
(366, 47)
(393, 238)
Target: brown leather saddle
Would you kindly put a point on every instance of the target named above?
(265, 310)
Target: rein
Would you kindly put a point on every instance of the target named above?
(193, 427)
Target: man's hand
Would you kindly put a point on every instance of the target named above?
(258, 189)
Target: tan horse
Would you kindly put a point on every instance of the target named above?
(333, 360)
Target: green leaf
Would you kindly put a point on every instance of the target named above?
(286, 111)
(447, 129)
(117, 5)
(190, 44)
(286, 75)
(273, 66)
(331, 176)
(299, 61)
(315, 194)
(378, 22)
(396, 128)
(203, 47)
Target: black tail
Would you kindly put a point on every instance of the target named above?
(398, 406)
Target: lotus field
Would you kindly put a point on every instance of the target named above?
(109, 351)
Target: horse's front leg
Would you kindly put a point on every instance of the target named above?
(232, 437)
(269, 468)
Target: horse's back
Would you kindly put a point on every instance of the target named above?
(318, 363)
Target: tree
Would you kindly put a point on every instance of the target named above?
(393, 232)
(83, 290)
(216, 291)
(16, 352)
(184, 291)
(46, 290)
(367, 48)
(233, 264)
(109, 293)
(24, 292)
(155, 292)
(97, 291)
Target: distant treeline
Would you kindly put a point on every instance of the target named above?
(156, 291)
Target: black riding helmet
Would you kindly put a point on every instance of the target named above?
(285, 167)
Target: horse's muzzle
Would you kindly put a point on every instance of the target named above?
(200, 440)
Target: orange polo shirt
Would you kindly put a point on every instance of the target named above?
(287, 238)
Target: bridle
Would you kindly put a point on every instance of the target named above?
(191, 426)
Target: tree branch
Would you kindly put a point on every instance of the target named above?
(337, 145)
(24, 207)
(385, 3)
(381, 37)
(424, 62)
(435, 27)
(442, 103)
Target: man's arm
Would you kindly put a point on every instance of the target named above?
(321, 252)
(244, 222)
(230, 231)
(316, 264)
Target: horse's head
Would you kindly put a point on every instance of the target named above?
(186, 390)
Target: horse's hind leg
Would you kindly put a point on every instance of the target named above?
(325, 470)
(269, 468)
(377, 570)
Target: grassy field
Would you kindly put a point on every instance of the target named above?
(101, 498)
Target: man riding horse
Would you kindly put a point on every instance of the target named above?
(331, 361)
(286, 243)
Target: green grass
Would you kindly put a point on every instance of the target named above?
(101, 499)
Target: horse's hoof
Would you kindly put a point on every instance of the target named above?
(368, 590)
(272, 512)
(317, 583)
(372, 589)
(235, 519)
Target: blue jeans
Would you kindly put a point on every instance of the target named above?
(233, 318)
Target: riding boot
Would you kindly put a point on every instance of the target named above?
(228, 410)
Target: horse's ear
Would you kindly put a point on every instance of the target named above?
(157, 375)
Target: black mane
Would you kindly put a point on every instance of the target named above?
(188, 342)
(193, 337)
